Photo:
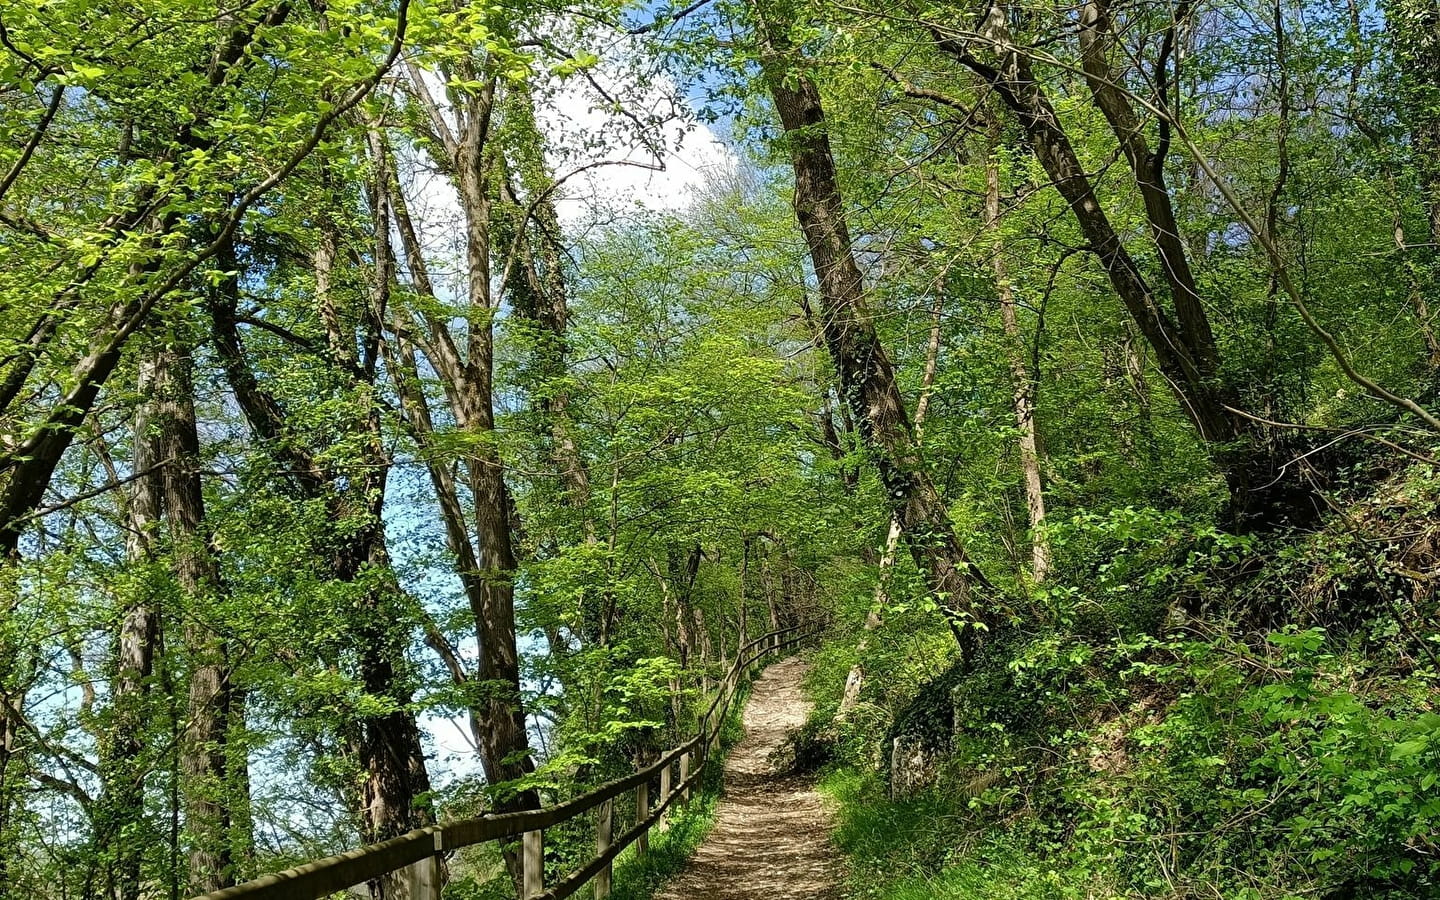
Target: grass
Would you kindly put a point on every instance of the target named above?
(639, 877)
(926, 848)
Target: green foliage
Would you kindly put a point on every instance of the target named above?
(927, 847)
(1182, 708)
(1136, 760)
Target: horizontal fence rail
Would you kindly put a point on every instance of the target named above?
(418, 853)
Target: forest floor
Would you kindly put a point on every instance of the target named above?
(772, 832)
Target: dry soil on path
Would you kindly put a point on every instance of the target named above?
(771, 834)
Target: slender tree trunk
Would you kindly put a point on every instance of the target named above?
(705, 646)
(742, 617)
(678, 577)
(772, 604)
(205, 761)
(1023, 384)
(505, 750)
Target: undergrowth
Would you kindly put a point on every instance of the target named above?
(638, 877)
(1185, 714)
(919, 849)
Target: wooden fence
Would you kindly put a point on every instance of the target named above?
(418, 853)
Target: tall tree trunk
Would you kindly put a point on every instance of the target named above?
(1022, 384)
(120, 814)
(207, 785)
(391, 799)
(487, 564)
(866, 375)
(1148, 170)
(855, 679)
(772, 604)
(742, 617)
(680, 575)
(394, 797)
(691, 640)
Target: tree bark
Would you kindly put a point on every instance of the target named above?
(120, 813)
(207, 785)
(487, 561)
(393, 797)
(1022, 383)
(866, 375)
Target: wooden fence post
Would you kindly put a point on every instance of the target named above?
(604, 829)
(665, 790)
(423, 878)
(642, 810)
(534, 842)
(684, 776)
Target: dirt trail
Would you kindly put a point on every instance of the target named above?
(771, 835)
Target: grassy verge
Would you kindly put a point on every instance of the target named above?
(639, 877)
(929, 848)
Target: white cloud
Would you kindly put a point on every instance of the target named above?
(629, 173)
(648, 154)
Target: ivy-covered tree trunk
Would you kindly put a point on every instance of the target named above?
(855, 678)
(866, 375)
(391, 799)
(395, 795)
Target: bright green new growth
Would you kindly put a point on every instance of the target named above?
(371, 455)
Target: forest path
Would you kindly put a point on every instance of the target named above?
(771, 834)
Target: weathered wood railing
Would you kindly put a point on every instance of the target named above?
(418, 853)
